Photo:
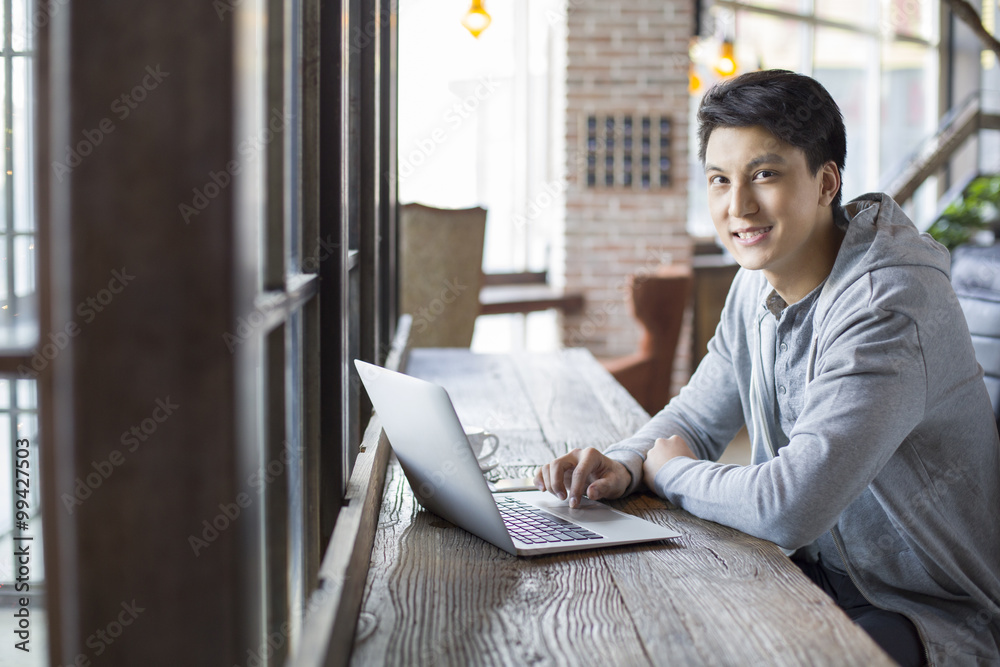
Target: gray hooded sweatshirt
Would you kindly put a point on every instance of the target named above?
(894, 455)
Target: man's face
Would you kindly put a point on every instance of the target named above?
(769, 209)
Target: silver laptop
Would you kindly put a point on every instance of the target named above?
(430, 443)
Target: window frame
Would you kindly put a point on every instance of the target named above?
(274, 245)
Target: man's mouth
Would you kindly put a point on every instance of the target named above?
(753, 233)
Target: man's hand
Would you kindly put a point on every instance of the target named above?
(583, 470)
(662, 451)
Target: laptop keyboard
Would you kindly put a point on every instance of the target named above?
(534, 526)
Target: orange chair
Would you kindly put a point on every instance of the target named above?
(658, 302)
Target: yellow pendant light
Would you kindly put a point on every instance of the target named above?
(726, 64)
(476, 20)
(694, 81)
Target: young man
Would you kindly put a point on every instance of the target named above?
(843, 348)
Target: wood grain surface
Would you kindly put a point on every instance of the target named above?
(437, 595)
(334, 606)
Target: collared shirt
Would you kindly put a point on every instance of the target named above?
(793, 335)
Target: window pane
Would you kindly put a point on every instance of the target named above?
(24, 266)
(757, 46)
(23, 163)
(19, 420)
(293, 139)
(907, 17)
(26, 398)
(907, 105)
(25, 23)
(842, 65)
(6, 498)
(853, 12)
(797, 6)
(6, 311)
(4, 161)
(294, 419)
(18, 321)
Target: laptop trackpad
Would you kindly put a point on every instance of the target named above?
(589, 511)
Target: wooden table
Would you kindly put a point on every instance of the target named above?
(524, 292)
(437, 595)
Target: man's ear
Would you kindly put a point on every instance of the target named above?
(829, 183)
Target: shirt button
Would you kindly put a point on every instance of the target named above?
(781, 389)
(782, 347)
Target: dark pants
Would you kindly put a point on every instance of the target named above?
(893, 632)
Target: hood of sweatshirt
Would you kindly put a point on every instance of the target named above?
(879, 235)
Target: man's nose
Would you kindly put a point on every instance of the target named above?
(741, 201)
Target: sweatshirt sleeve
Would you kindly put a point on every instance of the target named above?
(706, 413)
(868, 393)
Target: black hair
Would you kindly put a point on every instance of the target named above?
(794, 108)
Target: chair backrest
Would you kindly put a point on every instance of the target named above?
(975, 275)
(658, 303)
(440, 273)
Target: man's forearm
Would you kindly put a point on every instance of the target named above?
(663, 450)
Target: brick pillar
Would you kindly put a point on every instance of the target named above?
(626, 62)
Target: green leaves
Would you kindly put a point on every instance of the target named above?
(978, 209)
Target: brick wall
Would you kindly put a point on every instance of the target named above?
(623, 58)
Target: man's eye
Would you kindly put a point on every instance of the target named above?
(764, 173)
(717, 180)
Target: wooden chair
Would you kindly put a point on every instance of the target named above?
(658, 302)
(440, 273)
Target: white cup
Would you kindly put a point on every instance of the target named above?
(484, 444)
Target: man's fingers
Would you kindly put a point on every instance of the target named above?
(598, 490)
(611, 484)
(578, 483)
(589, 467)
(562, 468)
(555, 474)
(579, 472)
(549, 477)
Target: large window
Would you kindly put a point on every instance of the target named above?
(245, 201)
(19, 500)
(328, 220)
(481, 124)
(879, 60)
